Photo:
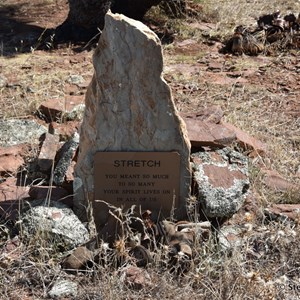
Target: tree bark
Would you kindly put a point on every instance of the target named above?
(86, 17)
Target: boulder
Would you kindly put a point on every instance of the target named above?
(56, 224)
(14, 132)
(221, 179)
(129, 108)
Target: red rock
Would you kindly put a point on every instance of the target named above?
(135, 277)
(246, 141)
(53, 109)
(212, 114)
(291, 211)
(11, 159)
(203, 133)
(70, 172)
(48, 152)
(11, 196)
(275, 181)
(64, 130)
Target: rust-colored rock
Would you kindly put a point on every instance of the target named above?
(202, 133)
(56, 108)
(211, 114)
(48, 152)
(290, 211)
(65, 130)
(11, 159)
(246, 141)
(276, 182)
(11, 196)
(135, 277)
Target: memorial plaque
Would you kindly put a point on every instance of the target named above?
(149, 180)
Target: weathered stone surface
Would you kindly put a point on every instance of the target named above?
(78, 259)
(230, 237)
(70, 107)
(135, 277)
(129, 107)
(15, 132)
(247, 142)
(221, 178)
(56, 222)
(11, 197)
(203, 133)
(63, 288)
(11, 159)
(65, 130)
(67, 153)
(211, 114)
(284, 211)
(48, 152)
(276, 182)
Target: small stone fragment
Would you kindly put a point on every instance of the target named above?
(48, 152)
(63, 288)
(78, 259)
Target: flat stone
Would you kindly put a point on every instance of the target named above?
(78, 259)
(129, 108)
(12, 196)
(212, 114)
(246, 141)
(284, 211)
(221, 178)
(56, 108)
(276, 182)
(65, 130)
(202, 133)
(11, 159)
(15, 131)
(48, 152)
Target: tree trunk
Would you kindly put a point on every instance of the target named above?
(86, 17)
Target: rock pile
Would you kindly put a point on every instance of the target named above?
(273, 32)
(220, 182)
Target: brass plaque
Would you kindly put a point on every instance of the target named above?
(149, 180)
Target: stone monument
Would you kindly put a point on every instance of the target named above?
(133, 146)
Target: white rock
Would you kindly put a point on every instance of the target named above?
(129, 106)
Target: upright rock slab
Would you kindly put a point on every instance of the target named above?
(129, 108)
